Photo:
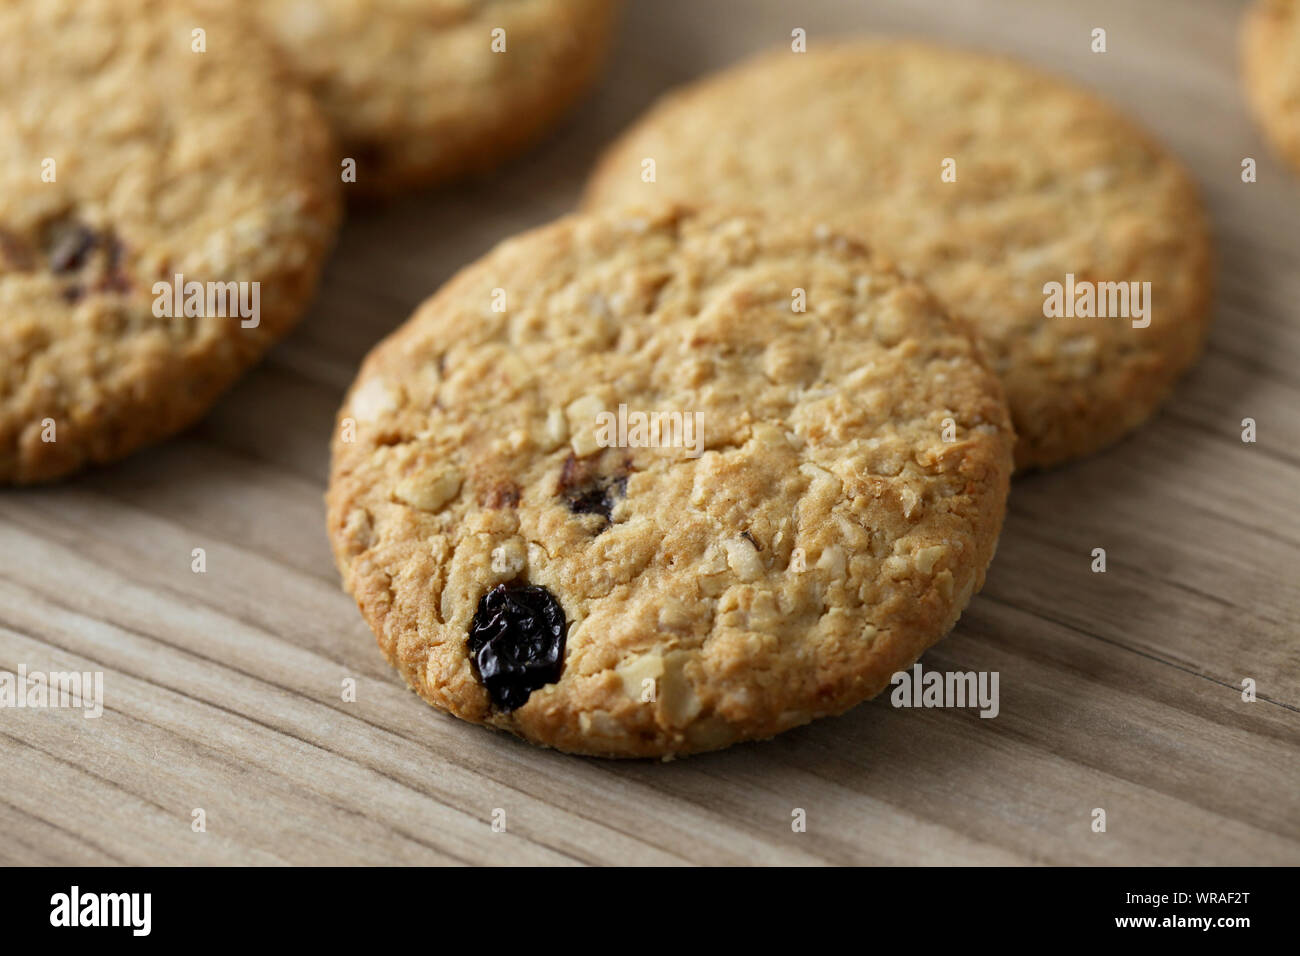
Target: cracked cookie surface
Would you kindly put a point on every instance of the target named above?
(846, 497)
(1049, 182)
(416, 91)
(126, 158)
(1270, 59)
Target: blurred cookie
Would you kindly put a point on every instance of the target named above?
(1270, 56)
(166, 199)
(1011, 194)
(425, 92)
(649, 483)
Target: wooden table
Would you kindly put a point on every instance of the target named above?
(1119, 690)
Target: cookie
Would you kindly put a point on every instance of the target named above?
(166, 199)
(1270, 59)
(422, 93)
(1011, 194)
(651, 482)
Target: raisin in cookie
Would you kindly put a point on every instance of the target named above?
(1270, 56)
(982, 177)
(134, 150)
(424, 92)
(648, 483)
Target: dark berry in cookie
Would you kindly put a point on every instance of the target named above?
(589, 490)
(517, 642)
(70, 246)
(597, 498)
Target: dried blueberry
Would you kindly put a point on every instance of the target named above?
(517, 642)
(597, 498)
(589, 491)
(91, 261)
(70, 246)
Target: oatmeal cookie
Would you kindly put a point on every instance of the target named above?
(141, 142)
(425, 92)
(1270, 59)
(651, 482)
(988, 180)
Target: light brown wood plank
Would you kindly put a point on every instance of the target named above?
(1122, 690)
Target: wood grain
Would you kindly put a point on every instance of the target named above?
(1119, 690)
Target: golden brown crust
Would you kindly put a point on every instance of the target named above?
(415, 90)
(1270, 59)
(830, 531)
(213, 165)
(1049, 181)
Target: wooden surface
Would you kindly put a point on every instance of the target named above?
(1119, 690)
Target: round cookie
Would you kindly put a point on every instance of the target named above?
(984, 178)
(416, 90)
(534, 554)
(1270, 56)
(127, 158)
